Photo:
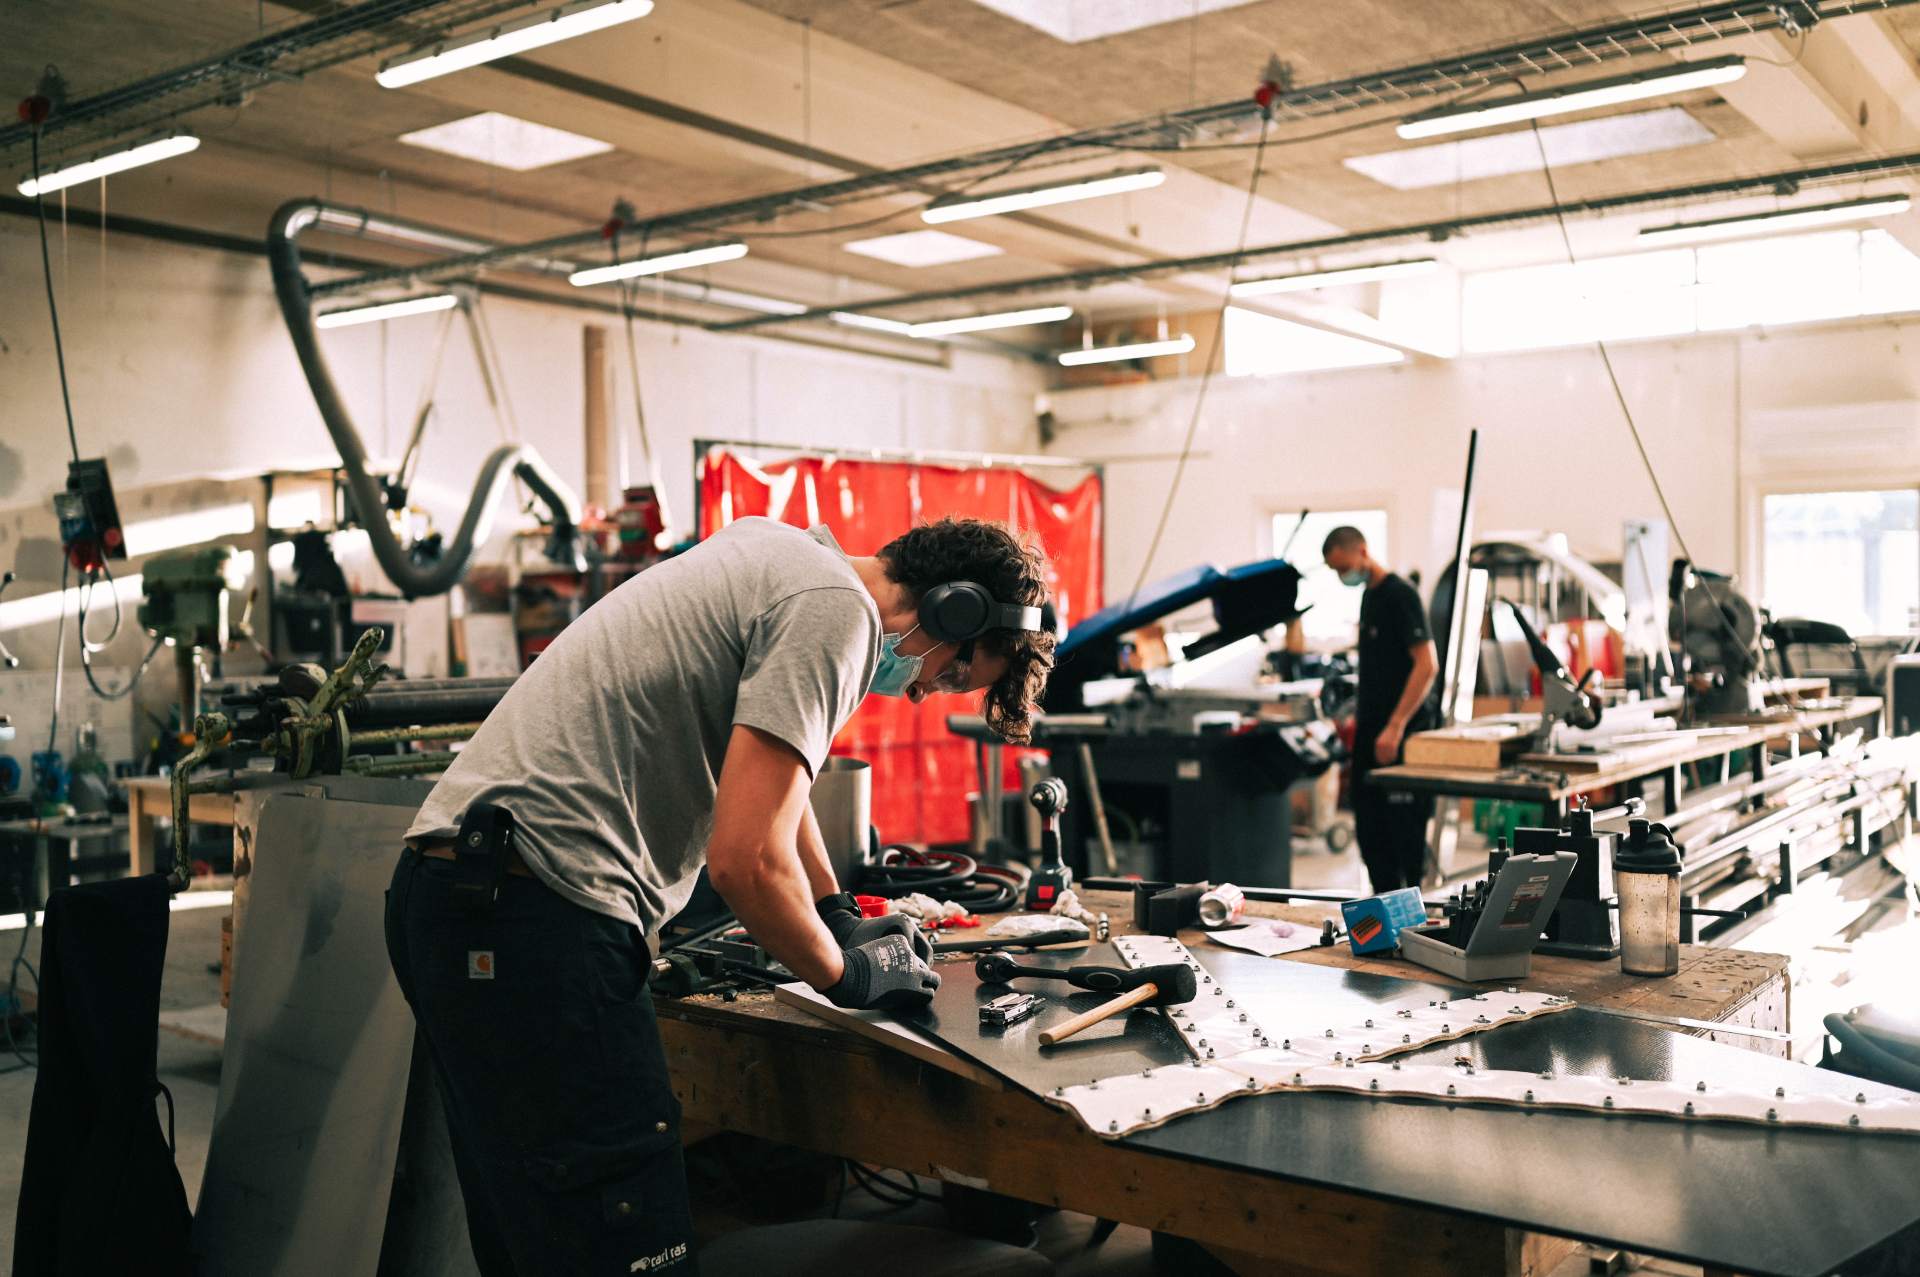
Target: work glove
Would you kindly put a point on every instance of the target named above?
(848, 928)
(883, 974)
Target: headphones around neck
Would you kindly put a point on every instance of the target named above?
(961, 611)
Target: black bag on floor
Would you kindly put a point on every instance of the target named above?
(99, 1192)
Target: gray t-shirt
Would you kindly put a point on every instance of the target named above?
(608, 749)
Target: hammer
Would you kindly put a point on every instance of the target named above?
(1159, 986)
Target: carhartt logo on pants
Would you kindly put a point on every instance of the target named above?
(479, 964)
(671, 1255)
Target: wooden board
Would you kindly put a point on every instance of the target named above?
(1478, 746)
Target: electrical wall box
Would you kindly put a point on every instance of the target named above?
(1501, 947)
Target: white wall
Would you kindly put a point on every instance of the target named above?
(1555, 453)
(180, 366)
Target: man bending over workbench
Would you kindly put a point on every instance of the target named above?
(679, 722)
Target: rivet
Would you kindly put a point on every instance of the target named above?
(1511, 989)
(1146, 1112)
(1369, 1024)
(1217, 990)
(1688, 1110)
(1700, 1087)
(1481, 1019)
(1329, 1032)
(625, 1208)
(1206, 979)
(1177, 1013)
(1450, 1089)
(1349, 1063)
(473, 840)
(1194, 1063)
(1146, 1072)
(1860, 1097)
(1773, 1115)
(1229, 1001)
(1406, 1037)
(1200, 1098)
(1059, 1090)
(1373, 1084)
(1396, 1066)
(1779, 1092)
(1296, 1079)
(1515, 1011)
(1265, 1042)
(1286, 1044)
(1113, 1125)
(1404, 1015)
(1853, 1119)
(1529, 1097)
(1546, 1075)
(1243, 1017)
(659, 1126)
(1094, 1085)
(1446, 1028)
(1607, 1103)
(1366, 1048)
(1337, 1057)
(1252, 1082)
(1624, 1080)
(1209, 1053)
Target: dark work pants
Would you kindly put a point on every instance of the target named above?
(1391, 828)
(538, 1020)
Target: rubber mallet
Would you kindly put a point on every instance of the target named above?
(1168, 984)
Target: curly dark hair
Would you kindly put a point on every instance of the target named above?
(1014, 568)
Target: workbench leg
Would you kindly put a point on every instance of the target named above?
(1670, 782)
(141, 835)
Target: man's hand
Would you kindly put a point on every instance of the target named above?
(848, 928)
(1386, 746)
(884, 974)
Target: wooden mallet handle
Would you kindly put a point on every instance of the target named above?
(1087, 1019)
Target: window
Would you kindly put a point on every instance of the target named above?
(1852, 558)
(1334, 615)
(1783, 280)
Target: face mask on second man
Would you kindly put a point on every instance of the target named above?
(1356, 576)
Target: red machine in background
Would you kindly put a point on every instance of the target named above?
(922, 773)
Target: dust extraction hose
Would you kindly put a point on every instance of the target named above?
(414, 580)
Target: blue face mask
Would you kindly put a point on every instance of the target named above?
(1356, 577)
(895, 673)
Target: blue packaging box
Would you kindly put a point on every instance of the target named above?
(1374, 923)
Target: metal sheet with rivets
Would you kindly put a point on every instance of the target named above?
(1755, 1198)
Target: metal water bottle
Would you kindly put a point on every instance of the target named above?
(1646, 871)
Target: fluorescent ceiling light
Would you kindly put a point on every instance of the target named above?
(981, 323)
(922, 248)
(351, 315)
(507, 39)
(1666, 128)
(959, 209)
(101, 165)
(170, 532)
(1783, 220)
(1575, 97)
(506, 141)
(1334, 278)
(682, 260)
(874, 322)
(1137, 350)
(715, 296)
(1077, 21)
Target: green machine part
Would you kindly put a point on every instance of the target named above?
(185, 596)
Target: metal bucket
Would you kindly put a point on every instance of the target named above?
(843, 804)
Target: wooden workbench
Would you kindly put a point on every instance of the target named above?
(1539, 782)
(780, 1073)
(150, 798)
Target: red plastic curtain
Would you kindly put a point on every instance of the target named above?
(922, 773)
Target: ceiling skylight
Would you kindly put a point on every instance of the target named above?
(922, 248)
(505, 142)
(1500, 154)
(1077, 21)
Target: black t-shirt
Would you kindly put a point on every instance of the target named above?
(1392, 623)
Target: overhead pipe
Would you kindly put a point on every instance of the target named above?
(414, 580)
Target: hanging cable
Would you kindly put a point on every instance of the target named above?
(53, 307)
(89, 649)
(1207, 369)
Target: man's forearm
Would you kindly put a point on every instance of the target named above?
(775, 903)
(814, 860)
(1412, 695)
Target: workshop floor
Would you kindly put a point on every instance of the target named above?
(1852, 940)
